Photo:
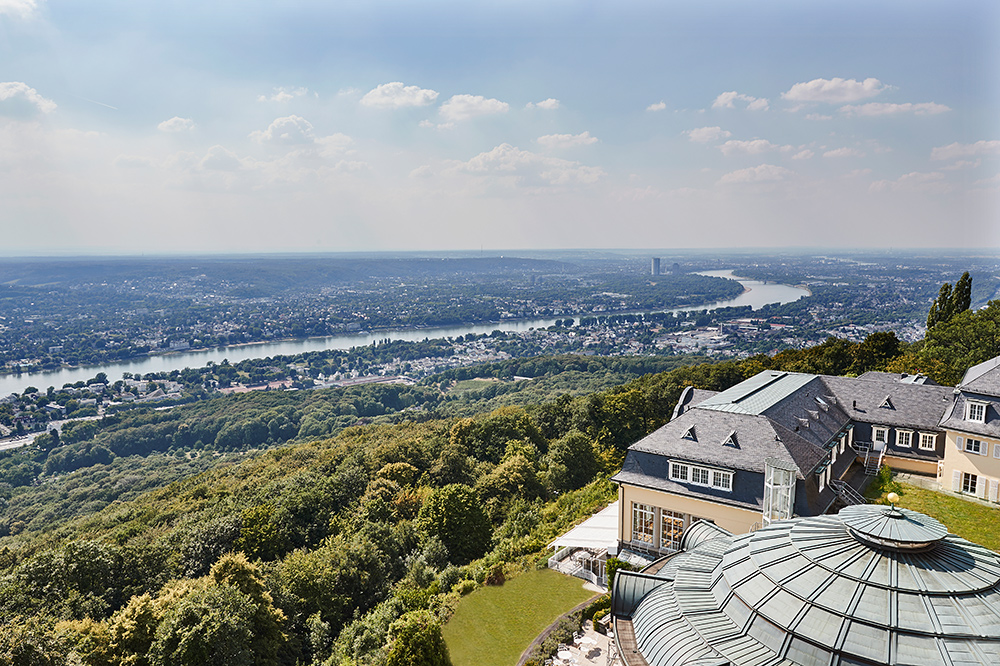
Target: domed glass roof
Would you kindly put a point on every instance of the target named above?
(872, 585)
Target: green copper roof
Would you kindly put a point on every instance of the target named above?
(810, 592)
(758, 393)
(892, 527)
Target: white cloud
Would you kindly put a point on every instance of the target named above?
(176, 124)
(818, 116)
(884, 109)
(752, 147)
(844, 152)
(834, 91)
(20, 8)
(220, 158)
(424, 171)
(658, 106)
(993, 181)
(962, 164)
(395, 95)
(518, 167)
(763, 173)
(955, 151)
(290, 130)
(549, 104)
(19, 100)
(803, 155)
(463, 107)
(567, 140)
(707, 134)
(283, 95)
(727, 101)
(913, 182)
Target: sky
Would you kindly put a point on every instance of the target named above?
(134, 126)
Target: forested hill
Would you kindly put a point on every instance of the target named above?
(350, 549)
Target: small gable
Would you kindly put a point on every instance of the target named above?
(731, 441)
(887, 404)
(690, 434)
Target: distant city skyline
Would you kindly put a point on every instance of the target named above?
(130, 128)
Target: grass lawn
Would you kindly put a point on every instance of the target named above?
(466, 385)
(493, 625)
(969, 520)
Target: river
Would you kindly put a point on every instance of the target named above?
(756, 295)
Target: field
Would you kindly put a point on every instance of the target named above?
(493, 625)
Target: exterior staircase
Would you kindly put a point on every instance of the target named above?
(872, 458)
(847, 494)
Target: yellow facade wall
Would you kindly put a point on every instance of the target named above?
(734, 519)
(928, 467)
(985, 467)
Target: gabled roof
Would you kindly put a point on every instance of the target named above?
(983, 378)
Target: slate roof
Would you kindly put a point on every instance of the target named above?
(810, 592)
(690, 397)
(650, 470)
(983, 379)
(954, 418)
(899, 377)
(757, 438)
(910, 405)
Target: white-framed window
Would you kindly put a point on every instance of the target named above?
(723, 480)
(671, 529)
(928, 441)
(975, 411)
(904, 439)
(969, 483)
(642, 522)
(973, 445)
(701, 476)
(880, 435)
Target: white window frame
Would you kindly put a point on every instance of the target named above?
(877, 432)
(928, 441)
(977, 448)
(639, 514)
(671, 529)
(975, 411)
(904, 439)
(697, 475)
(970, 483)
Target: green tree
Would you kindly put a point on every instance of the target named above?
(572, 463)
(950, 302)
(875, 353)
(454, 515)
(416, 640)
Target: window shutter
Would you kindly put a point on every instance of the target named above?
(956, 480)
(983, 487)
(994, 486)
(959, 443)
(984, 449)
(996, 450)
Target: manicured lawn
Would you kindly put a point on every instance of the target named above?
(969, 520)
(493, 625)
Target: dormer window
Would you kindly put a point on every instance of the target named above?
(887, 404)
(689, 434)
(975, 411)
(731, 440)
